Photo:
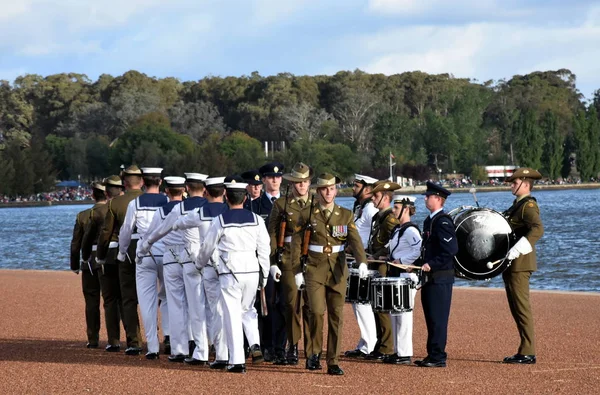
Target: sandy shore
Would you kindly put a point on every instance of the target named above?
(42, 337)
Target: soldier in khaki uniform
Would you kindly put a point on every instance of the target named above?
(524, 218)
(108, 275)
(283, 267)
(382, 225)
(108, 250)
(90, 281)
(326, 271)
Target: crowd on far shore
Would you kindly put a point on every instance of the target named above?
(76, 194)
(63, 194)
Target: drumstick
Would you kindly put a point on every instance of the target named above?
(492, 264)
(399, 265)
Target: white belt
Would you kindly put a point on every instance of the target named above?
(113, 244)
(135, 236)
(326, 249)
(287, 239)
(94, 247)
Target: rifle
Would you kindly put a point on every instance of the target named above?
(282, 227)
(304, 257)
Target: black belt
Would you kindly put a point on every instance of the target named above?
(442, 273)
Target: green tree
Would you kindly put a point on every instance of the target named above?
(242, 151)
(529, 140)
(583, 146)
(552, 158)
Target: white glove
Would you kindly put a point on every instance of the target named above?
(174, 227)
(144, 248)
(299, 279)
(275, 273)
(363, 271)
(522, 247)
(121, 257)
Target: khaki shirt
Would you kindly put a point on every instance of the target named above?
(526, 222)
(92, 229)
(338, 230)
(80, 223)
(115, 215)
(293, 225)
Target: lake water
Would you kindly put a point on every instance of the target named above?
(39, 237)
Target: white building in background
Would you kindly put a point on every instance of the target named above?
(500, 171)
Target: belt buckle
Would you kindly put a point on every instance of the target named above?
(327, 249)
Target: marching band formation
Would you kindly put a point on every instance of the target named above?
(242, 270)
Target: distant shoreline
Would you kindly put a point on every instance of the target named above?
(343, 192)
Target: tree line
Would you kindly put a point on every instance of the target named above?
(65, 126)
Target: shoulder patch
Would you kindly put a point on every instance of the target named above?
(530, 204)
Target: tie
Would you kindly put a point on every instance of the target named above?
(301, 203)
(273, 198)
(327, 213)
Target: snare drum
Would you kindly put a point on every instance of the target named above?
(392, 295)
(358, 290)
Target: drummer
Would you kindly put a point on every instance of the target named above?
(405, 249)
(382, 224)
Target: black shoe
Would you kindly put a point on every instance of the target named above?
(257, 355)
(167, 345)
(335, 370)
(133, 351)
(91, 345)
(268, 355)
(112, 348)
(152, 355)
(191, 347)
(394, 359)
(418, 362)
(291, 355)
(375, 356)
(177, 358)
(194, 361)
(280, 358)
(433, 364)
(220, 365)
(314, 362)
(355, 354)
(241, 368)
(522, 359)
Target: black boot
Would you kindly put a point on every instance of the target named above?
(291, 355)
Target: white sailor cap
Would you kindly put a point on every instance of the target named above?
(195, 177)
(152, 171)
(214, 181)
(365, 179)
(175, 182)
(404, 199)
(236, 184)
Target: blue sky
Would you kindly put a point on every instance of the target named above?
(190, 39)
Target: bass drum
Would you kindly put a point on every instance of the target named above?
(484, 237)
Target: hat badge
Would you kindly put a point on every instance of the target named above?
(257, 177)
(525, 171)
(276, 169)
(386, 186)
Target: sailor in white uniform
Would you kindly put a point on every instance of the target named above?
(187, 253)
(237, 245)
(174, 245)
(405, 248)
(199, 222)
(149, 272)
(364, 210)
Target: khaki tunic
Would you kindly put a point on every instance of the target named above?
(525, 222)
(290, 267)
(326, 274)
(382, 226)
(115, 216)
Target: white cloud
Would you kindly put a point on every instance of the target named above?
(412, 7)
(486, 50)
